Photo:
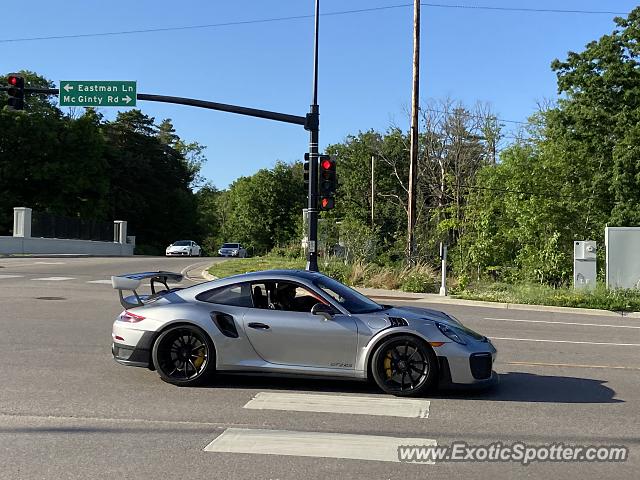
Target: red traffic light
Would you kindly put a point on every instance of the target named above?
(327, 203)
(15, 91)
(325, 164)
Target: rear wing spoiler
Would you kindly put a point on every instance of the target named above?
(132, 281)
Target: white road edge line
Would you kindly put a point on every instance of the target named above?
(349, 404)
(10, 276)
(568, 365)
(565, 341)
(559, 323)
(106, 282)
(54, 279)
(313, 444)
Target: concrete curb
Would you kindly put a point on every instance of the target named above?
(206, 275)
(437, 299)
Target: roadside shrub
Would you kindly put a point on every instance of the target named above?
(336, 270)
(421, 278)
(358, 273)
(418, 283)
(384, 277)
(287, 251)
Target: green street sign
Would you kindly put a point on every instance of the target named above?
(97, 93)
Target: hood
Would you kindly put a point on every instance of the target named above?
(178, 247)
(417, 313)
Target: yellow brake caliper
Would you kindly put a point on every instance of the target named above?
(387, 365)
(200, 358)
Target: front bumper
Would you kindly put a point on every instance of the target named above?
(228, 254)
(445, 381)
(177, 254)
(467, 366)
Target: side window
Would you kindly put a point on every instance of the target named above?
(285, 296)
(236, 295)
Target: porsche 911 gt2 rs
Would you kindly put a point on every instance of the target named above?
(292, 322)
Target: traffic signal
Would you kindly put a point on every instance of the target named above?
(306, 172)
(328, 182)
(16, 91)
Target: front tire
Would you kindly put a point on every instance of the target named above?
(184, 355)
(404, 366)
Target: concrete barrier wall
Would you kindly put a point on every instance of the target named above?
(13, 245)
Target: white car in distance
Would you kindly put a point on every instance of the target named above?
(183, 248)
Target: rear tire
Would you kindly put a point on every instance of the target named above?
(404, 366)
(184, 355)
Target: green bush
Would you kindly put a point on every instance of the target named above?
(418, 283)
(336, 270)
(288, 251)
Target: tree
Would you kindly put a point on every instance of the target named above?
(265, 209)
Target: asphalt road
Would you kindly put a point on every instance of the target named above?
(67, 410)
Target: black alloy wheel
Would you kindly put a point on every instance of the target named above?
(404, 366)
(184, 355)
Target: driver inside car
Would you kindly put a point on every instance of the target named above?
(285, 297)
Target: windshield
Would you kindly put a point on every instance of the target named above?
(230, 245)
(182, 243)
(351, 300)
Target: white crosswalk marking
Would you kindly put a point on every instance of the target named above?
(54, 279)
(349, 404)
(10, 276)
(313, 444)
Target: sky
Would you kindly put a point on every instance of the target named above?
(501, 58)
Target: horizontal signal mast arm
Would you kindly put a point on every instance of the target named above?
(252, 112)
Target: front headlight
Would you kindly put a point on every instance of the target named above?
(235, 252)
(451, 333)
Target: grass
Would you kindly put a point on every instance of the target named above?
(420, 278)
(534, 294)
(424, 279)
(244, 265)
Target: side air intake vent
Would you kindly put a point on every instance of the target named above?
(398, 322)
(225, 324)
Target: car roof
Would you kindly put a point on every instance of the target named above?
(269, 274)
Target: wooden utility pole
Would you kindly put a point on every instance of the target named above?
(413, 161)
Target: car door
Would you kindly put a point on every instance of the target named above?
(225, 307)
(288, 336)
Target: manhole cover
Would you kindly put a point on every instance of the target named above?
(50, 298)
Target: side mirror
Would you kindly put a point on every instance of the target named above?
(322, 309)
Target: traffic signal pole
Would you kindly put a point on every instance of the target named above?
(311, 122)
(314, 134)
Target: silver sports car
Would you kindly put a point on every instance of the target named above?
(292, 322)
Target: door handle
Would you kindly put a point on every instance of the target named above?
(258, 326)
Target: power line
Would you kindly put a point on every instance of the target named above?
(301, 17)
(522, 9)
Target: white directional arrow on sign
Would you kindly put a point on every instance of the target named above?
(127, 98)
(68, 87)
